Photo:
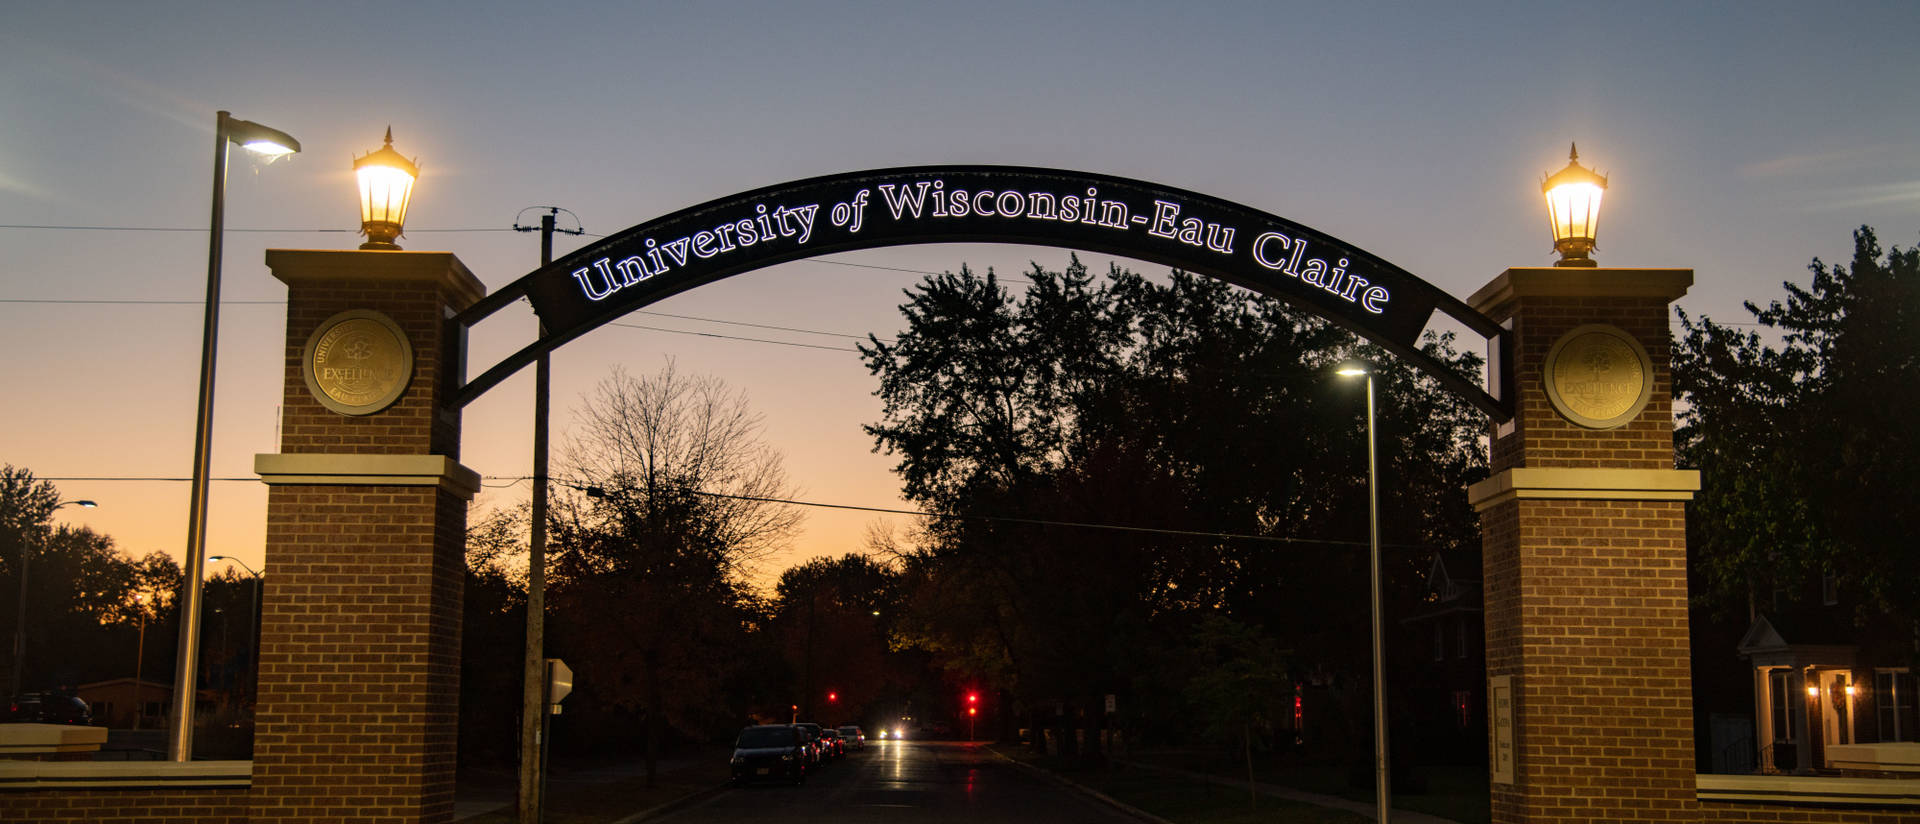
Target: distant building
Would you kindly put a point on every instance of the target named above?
(117, 701)
(1446, 662)
(1824, 687)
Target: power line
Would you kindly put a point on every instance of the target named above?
(203, 229)
(734, 337)
(514, 480)
(794, 329)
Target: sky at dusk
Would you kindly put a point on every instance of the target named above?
(1741, 140)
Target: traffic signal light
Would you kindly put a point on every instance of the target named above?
(833, 697)
(973, 710)
(973, 698)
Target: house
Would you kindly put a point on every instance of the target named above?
(135, 704)
(1830, 696)
(1445, 667)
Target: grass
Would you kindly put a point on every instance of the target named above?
(1183, 800)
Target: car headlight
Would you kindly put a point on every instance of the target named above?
(739, 759)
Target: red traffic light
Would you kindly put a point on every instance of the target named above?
(973, 698)
(833, 697)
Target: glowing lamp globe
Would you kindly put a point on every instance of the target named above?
(1573, 208)
(386, 187)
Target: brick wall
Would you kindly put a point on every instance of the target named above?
(201, 806)
(410, 426)
(1726, 813)
(1587, 607)
(360, 627)
(359, 664)
(1586, 598)
(1541, 438)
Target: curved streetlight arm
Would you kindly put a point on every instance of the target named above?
(243, 564)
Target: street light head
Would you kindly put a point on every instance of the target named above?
(1573, 209)
(386, 188)
(265, 141)
(216, 557)
(1353, 369)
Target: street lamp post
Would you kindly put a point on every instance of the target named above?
(1381, 782)
(268, 142)
(14, 679)
(253, 616)
(139, 658)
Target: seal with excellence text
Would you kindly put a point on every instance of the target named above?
(357, 362)
(1598, 376)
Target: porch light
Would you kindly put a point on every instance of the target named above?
(386, 187)
(1813, 691)
(1573, 209)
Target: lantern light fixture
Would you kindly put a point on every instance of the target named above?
(1573, 209)
(386, 188)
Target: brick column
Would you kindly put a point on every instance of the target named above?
(366, 521)
(1585, 567)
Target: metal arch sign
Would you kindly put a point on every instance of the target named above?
(985, 204)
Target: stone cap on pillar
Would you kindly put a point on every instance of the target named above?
(317, 469)
(442, 269)
(1584, 483)
(1496, 298)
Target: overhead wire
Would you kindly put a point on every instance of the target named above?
(515, 480)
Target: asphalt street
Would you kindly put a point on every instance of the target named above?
(908, 781)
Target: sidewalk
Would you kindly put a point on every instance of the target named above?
(476, 798)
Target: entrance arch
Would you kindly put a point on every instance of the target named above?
(1584, 546)
(905, 206)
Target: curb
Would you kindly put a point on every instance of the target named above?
(1082, 789)
(687, 800)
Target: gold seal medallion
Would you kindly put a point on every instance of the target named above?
(358, 362)
(1598, 376)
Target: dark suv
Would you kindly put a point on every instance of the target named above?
(773, 752)
(48, 708)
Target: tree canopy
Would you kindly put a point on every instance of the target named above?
(1197, 423)
(1802, 431)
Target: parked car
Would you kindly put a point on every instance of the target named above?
(853, 736)
(771, 752)
(48, 708)
(835, 746)
(815, 743)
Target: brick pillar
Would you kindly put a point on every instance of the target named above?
(366, 521)
(1585, 561)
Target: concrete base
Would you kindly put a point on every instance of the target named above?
(30, 740)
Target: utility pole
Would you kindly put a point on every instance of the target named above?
(533, 697)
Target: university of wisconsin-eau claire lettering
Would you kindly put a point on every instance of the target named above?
(978, 204)
(931, 200)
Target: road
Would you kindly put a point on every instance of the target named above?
(908, 781)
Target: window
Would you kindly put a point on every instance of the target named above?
(1460, 639)
(1781, 683)
(1893, 698)
(1439, 641)
(1463, 708)
(1829, 589)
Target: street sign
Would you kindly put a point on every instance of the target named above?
(559, 683)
